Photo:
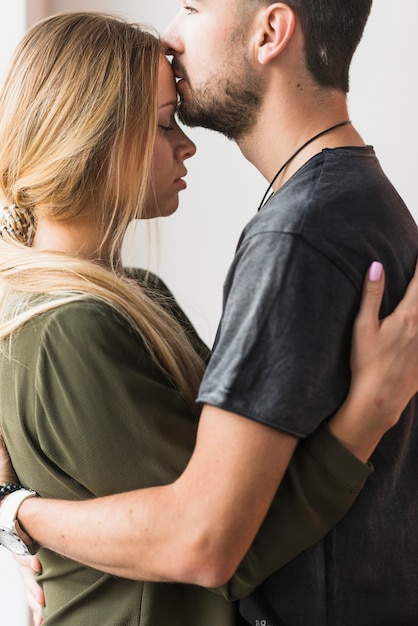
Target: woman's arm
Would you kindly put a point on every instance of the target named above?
(107, 533)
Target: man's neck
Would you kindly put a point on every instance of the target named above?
(283, 127)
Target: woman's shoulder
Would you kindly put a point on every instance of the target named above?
(76, 319)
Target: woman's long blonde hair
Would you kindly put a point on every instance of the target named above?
(78, 117)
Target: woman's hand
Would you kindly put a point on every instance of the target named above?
(7, 473)
(384, 365)
(29, 567)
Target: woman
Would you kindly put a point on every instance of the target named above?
(99, 372)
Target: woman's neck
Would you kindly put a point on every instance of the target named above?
(77, 239)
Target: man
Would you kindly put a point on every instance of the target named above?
(273, 77)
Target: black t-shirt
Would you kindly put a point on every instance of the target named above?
(281, 357)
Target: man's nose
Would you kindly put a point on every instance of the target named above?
(171, 38)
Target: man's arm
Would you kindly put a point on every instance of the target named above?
(196, 530)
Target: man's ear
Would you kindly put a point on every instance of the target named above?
(274, 30)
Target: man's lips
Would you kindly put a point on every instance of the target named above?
(179, 73)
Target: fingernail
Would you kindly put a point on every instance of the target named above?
(375, 271)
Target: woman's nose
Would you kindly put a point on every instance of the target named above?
(187, 147)
(191, 149)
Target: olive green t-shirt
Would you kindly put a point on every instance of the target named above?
(86, 412)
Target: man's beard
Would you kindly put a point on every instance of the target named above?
(228, 104)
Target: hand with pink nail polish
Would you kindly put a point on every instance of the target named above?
(384, 365)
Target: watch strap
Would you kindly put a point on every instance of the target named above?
(6, 488)
(8, 514)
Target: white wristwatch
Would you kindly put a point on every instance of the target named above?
(12, 536)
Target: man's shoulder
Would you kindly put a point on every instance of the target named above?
(335, 187)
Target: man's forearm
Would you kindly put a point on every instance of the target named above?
(110, 535)
(196, 530)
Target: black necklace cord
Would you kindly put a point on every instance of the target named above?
(312, 139)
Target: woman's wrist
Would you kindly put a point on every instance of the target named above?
(358, 430)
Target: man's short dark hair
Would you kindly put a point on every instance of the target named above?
(332, 30)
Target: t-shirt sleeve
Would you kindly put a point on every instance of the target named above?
(322, 483)
(108, 419)
(281, 355)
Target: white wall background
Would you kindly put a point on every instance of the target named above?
(197, 244)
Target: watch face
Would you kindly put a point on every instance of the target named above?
(10, 540)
